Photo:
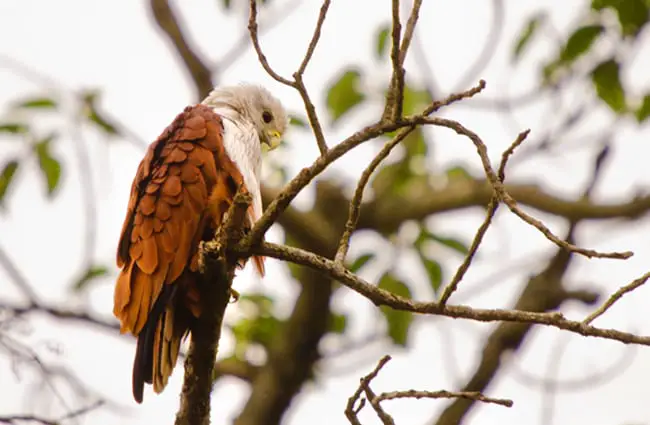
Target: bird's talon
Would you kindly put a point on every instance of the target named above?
(234, 295)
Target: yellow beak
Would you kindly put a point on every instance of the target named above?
(274, 138)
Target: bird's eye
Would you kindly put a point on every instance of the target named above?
(267, 117)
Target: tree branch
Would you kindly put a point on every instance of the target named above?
(167, 21)
(355, 203)
(218, 271)
(382, 297)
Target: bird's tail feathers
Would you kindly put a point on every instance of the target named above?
(159, 343)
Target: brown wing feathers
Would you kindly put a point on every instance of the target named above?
(182, 187)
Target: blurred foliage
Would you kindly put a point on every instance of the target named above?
(6, 177)
(258, 324)
(382, 41)
(583, 43)
(399, 322)
(344, 94)
(94, 115)
(50, 166)
(88, 276)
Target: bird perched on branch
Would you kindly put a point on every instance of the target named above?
(182, 188)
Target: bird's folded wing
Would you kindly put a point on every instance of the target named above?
(167, 212)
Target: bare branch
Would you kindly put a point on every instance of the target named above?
(217, 267)
(168, 22)
(18, 278)
(410, 30)
(615, 297)
(395, 93)
(478, 238)
(307, 174)
(61, 314)
(350, 410)
(252, 29)
(469, 395)
(314, 39)
(508, 200)
(382, 297)
(355, 203)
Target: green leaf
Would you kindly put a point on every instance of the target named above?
(399, 322)
(6, 177)
(434, 271)
(344, 94)
(451, 243)
(607, 82)
(96, 117)
(50, 166)
(14, 128)
(338, 323)
(632, 14)
(254, 330)
(458, 173)
(579, 42)
(643, 112)
(37, 103)
(226, 4)
(415, 100)
(90, 274)
(297, 121)
(599, 5)
(263, 302)
(526, 35)
(360, 262)
(382, 39)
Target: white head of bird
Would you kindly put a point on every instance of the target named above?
(252, 104)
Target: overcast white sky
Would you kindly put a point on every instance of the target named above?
(115, 47)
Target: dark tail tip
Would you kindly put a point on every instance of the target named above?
(144, 352)
(140, 366)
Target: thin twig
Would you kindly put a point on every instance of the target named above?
(355, 203)
(252, 30)
(493, 205)
(615, 297)
(298, 82)
(350, 410)
(395, 94)
(469, 395)
(316, 127)
(18, 278)
(508, 200)
(454, 97)
(384, 417)
(410, 30)
(314, 38)
(238, 48)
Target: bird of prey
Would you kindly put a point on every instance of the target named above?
(182, 188)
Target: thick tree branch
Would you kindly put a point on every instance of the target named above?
(167, 21)
(385, 214)
(382, 297)
(218, 272)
